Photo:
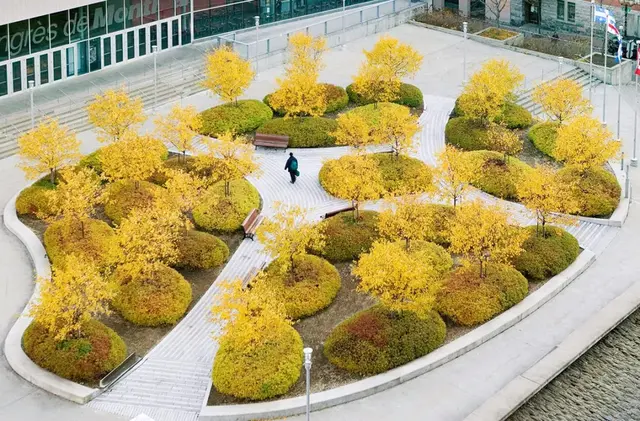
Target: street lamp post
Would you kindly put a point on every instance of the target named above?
(257, 21)
(307, 367)
(464, 53)
(155, 76)
(32, 84)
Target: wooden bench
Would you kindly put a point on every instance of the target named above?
(335, 212)
(271, 141)
(251, 223)
(118, 372)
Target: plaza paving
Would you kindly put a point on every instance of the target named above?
(172, 383)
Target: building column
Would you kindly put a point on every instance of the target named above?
(464, 7)
(438, 4)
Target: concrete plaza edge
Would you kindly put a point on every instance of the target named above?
(380, 382)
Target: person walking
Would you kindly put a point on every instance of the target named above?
(292, 167)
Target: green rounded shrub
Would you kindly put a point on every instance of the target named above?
(376, 340)
(309, 287)
(34, 201)
(409, 95)
(218, 212)
(403, 174)
(86, 358)
(497, 177)
(260, 371)
(200, 250)
(546, 255)
(346, 239)
(242, 117)
(543, 136)
(371, 113)
(467, 134)
(91, 240)
(596, 190)
(125, 196)
(432, 255)
(514, 116)
(468, 299)
(303, 132)
(159, 297)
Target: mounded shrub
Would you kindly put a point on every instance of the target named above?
(242, 117)
(409, 95)
(91, 240)
(468, 299)
(337, 100)
(200, 250)
(543, 136)
(33, 200)
(125, 196)
(87, 358)
(442, 215)
(303, 132)
(548, 255)
(186, 164)
(92, 161)
(159, 298)
(404, 174)
(218, 212)
(310, 287)
(467, 134)
(258, 372)
(346, 239)
(371, 113)
(597, 190)
(514, 116)
(376, 340)
(497, 177)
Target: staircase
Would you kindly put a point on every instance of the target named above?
(526, 100)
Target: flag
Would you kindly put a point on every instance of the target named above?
(611, 25)
(638, 61)
(600, 14)
(619, 53)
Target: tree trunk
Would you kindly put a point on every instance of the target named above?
(455, 201)
(52, 175)
(184, 156)
(227, 188)
(407, 242)
(82, 228)
(356, 210)
(481, 269)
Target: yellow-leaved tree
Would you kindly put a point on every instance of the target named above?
(114, 113)
(454, 173)
(408, 219)
(489, 89)
(562, 99)
(353, 130)
(504, 140)
(133, 157)
(227, 158)
(76, 293)
(46, 148)
(397, 127)
(299, 92)
(546, 197)
(484, 233)
(75, 198)
(387, 63)
(402, 279)
(185, 189)
(179, 128)
(584, 143)
(360, 180)
(289, 234)
(227, 75)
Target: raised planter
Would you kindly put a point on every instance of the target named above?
(622, 70)
(515, 40)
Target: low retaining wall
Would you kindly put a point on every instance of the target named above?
(380, 382)
(18, 360)
(618, 216)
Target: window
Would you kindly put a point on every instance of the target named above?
(106, 51)
(571, 12)
(44, 69)
(79, 24)
(4, 86)
(4, 42)
(116, 15)
(17, 76)
(97, 19)
(57, 65)
(131, 45)
(560, 11)
(19, 39)
(566, 11)
(59, 29)
(38, 34)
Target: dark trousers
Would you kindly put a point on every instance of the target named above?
(293, 176)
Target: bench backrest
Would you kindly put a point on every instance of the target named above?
(335, 212)
(248, 221)
(268, 139)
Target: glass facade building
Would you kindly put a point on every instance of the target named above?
(89, 38)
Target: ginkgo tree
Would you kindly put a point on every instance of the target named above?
(184, 188)
(46, 148)
(562, 99)
(227, 158)
(227, 74)
(397, 127)
(288, 234)
(407, 218)
(484, 233)
(74, 294)
(179, 128)
(455, 173)
(353, 130)
(114, 113)
(503, 140)
(133, 157)
(584, 143)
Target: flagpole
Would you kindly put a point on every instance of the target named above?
(634, 159)
(604, 96)
(593, 16)
(619, 93)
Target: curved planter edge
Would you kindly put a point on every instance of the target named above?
(396, 376)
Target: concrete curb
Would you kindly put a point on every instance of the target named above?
(380, 382)
(507, 400)
(16, 357)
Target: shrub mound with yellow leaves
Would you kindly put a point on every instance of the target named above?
(371, 113)
(310, 287)
(124, 196)
(33, 200)
(403, 174)
(548, 255)
(303, 132)
(376, 340)
(91, 242)
(247, 374)
(409, 96)
(543, 136)
(218, 212)
(160, 297)
(513, 116)
(468, 299)
(346, 239)
(336, 97)
(186, 164)
(200, 250)
(596, 191)
(86, 358)
(241, 117)
(497, 177)
(467, 134)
